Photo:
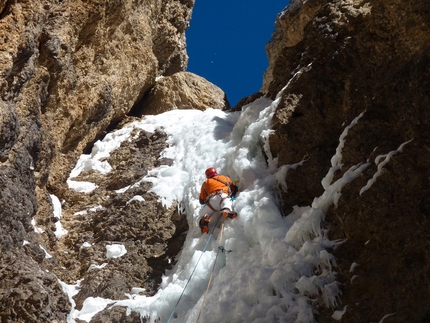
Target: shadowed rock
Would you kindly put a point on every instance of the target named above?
(341, 59)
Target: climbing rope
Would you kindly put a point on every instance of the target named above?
(213, 268)
(195, 267)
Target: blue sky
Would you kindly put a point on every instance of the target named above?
(226, 43)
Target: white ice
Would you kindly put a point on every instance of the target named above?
(36, 229)
(270, 273)
(115, 250)
(71, 291)
(59, 230)
(92, 267)
(136, 198)
(386, 158)
(47, 255)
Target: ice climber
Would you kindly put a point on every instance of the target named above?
(216, 193)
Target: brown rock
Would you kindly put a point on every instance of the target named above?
(352, 57)
(70, 71)
(246, 100)
(151, 234)
(118, 314)
(183, 90)
(74, 68)
(289, 31)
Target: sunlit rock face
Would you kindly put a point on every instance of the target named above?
(69, 72)
(183, 90)
(76, 67)
(341, 59)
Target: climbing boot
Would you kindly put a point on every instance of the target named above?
(232, 215)
(204, 224)
(225, 213)
(228, 214)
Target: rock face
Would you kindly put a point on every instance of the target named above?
(341, 59)
(150, 233)
(69, 72)
(183, 90)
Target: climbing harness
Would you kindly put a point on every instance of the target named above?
(227, 184)
(219, 200)
(208, 203)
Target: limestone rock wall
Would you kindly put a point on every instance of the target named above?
(183, 90)
(78, 66)
(70, 71)
(341, 59)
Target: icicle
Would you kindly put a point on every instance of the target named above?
(337, 315)
(309, 224)
(387, 158)
(331, 294)
(353, 266)
(281, 174)
(352, 278)
(327, 259)
(332, 192)
(328, 179)
(386, 316)
(308, 285)
(337, 158)
(305, 313)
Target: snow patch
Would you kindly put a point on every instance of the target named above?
(59, 231)
(47, 255)
(115, 251)
(36, 229)
(81, 187)
(91, 306)
(71, 291)
(136, 198)
(92, 266)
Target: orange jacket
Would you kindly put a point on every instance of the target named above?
(214, 184)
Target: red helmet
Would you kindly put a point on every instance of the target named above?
(211, 172)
